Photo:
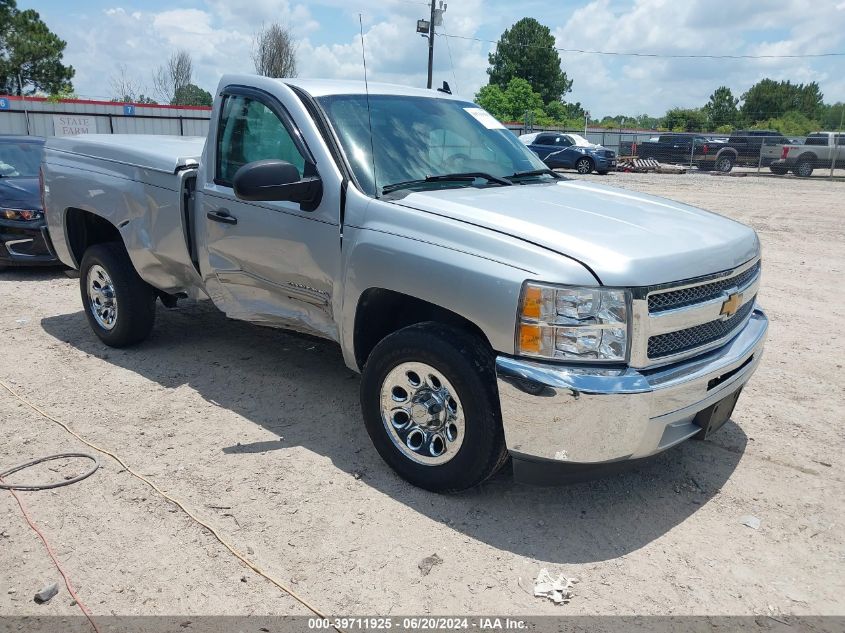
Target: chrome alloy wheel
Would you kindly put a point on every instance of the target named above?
(422, 413)
(724, 164)
(583, 166)
(101, 297)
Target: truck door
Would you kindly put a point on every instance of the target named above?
(268, 262)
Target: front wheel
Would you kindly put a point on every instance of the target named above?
(583, 165)
(428, 396)
(119, 305)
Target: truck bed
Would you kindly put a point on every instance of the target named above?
(167, 154)
(140, 184)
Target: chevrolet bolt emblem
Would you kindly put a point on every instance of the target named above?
(731, 304)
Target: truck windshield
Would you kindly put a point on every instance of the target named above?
(414, 138)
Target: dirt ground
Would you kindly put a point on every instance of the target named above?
(259, 432)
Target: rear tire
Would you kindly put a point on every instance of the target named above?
(119, 305)
(724, 164)
(430, 405)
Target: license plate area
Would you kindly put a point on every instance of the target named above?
(714, 417)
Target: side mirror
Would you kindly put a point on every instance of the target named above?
(276, 180)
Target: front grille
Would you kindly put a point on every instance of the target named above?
(684, 340)
(699, 294)
(609, 153)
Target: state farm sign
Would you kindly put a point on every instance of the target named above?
(70, 124)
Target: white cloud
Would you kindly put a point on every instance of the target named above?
(632, 85)
(219, 35)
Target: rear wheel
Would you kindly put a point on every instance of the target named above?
(584, 165)
(119, 305)
(429, 401)
(724, 164)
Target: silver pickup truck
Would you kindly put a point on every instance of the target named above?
(820, 150)
(493, 307)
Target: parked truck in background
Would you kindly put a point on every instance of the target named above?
(749, 144)
(493, 307)
(820, 150)
(689, 149)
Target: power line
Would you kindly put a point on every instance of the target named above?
(655, 55)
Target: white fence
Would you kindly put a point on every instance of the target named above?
(39, 117)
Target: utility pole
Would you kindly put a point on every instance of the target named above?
(426, 29)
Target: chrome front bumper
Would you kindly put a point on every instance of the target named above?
(583, 415)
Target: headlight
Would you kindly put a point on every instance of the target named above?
(573, 323)
(20, 214)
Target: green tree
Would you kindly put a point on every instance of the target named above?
(30, 54)
(721, 110)
(139, 99)
(192, 95)
(527, 51)
(685, 120)
(492, 98)
(520, 98)
(833, 117)
(769, 99)
(512, 103)
(792, 123)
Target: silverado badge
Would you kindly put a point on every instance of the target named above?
(731, 304)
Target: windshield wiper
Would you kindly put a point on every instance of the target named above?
(468, 176)
(534, 172)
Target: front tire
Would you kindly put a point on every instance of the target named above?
(584, 165)
(429, 400)
(119, 305)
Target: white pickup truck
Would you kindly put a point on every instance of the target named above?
(493, 307)
(820, 150)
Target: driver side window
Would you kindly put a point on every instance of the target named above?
(251, 131)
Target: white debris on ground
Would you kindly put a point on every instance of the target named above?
(558, 590)
(751, 521)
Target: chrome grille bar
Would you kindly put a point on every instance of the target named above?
(672, 322)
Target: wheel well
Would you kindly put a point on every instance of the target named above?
(727, 150)
(84, 229)
(381, 312)
(806, 156)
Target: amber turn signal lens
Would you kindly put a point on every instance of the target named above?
(529, 338)
(532, 299)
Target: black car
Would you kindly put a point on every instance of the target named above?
(570, 151)
(23, 230)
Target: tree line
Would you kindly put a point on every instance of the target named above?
(31, 63)
(526, 82)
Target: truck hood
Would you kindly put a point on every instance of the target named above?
(625, 238)
(19, 193)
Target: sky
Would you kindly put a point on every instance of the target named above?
(104, 35)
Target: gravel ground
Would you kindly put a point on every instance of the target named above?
(258, 431)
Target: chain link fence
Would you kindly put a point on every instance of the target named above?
(763, 152)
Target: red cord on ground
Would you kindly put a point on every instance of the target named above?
(58, 565)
